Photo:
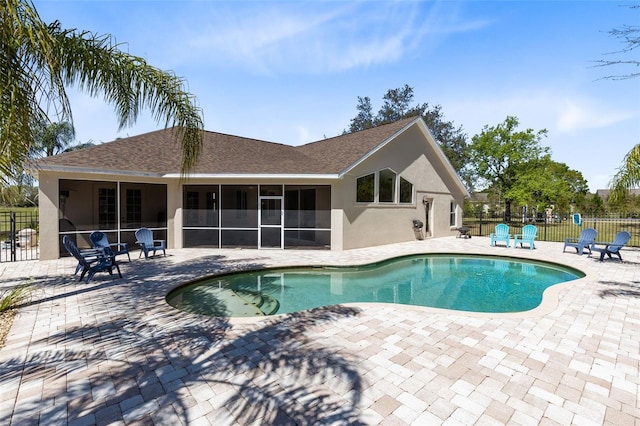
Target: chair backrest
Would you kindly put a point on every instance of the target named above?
(99, 239)
(73, 249)
(144, 235)
(619, 241)
(502, 229)
(587, 236)
(529, 231)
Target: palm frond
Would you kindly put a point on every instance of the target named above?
(627, 176)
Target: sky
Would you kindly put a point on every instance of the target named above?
(292, 71)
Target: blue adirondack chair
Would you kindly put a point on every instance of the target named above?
(91, 262)
(501, 233)
(584, 241)
(528, 235)
(99, 240)
(144, 237)
(614, 247)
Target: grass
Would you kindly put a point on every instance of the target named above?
(13, 298)
(26, 217)
(9, 301)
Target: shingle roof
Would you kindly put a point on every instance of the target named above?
(157, 153)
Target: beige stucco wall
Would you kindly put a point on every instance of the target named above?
(48, 215)
(374, 224)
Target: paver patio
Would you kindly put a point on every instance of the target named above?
(113, 352)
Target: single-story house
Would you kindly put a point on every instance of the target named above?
(355, 190)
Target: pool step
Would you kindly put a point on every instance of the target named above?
(266, 304)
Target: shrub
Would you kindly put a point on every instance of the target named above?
(14, 297)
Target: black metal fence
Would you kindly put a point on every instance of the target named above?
(557, 229)
(19, 236)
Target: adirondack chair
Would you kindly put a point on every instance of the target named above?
(528, 235)
(147, 244)
(501, 233)
(100, 260)
(584, 241)
(99, 240)
(614, 247)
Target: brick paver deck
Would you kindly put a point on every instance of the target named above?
(113, 352)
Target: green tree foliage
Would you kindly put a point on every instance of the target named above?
(37, 62)
(627, 176)
(397, 104)
(501, 155)
(543, 183)
(594, 206)
(52, 139)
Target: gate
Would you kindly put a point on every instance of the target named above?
(19, 236)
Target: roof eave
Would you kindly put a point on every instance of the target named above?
(72, 169)
(252, 176)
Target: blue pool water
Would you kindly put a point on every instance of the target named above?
(458, 282)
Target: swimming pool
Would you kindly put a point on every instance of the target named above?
(449, 281)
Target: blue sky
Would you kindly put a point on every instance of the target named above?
(291, 72)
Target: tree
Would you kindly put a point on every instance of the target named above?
(542, 183)
(37, 62)
(364, 119)
(397, 105)
(500, 156)
(630, 36)
(627, 176)
(53, 139)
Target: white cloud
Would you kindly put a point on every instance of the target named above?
(579, 113)
(318, 37)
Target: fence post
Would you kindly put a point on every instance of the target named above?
(480, 231)
(12, 235)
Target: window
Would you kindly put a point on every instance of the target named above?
(364, 189)
(406, 191)
(134, 206)
(387, 186)
(452, 214)
(106, 208)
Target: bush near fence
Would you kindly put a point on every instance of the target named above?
(558, 230)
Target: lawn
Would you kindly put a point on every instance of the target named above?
(25, 217)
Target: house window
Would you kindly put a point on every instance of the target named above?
(452, 214)
(134, 206)
(387, 186)
(365, 189)
(106, 208)
(406, 191)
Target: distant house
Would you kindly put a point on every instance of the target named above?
(604, 193)
(355, 190)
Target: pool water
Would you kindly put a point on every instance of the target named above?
(457, 282)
